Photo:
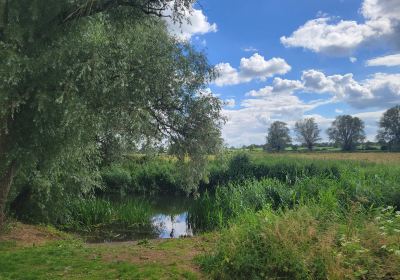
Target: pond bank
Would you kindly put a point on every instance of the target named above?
(62, 256)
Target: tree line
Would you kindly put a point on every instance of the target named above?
(345, 131)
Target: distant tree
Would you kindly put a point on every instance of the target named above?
(278, 136)
(307, 132)
(389, 132)
(347, 131)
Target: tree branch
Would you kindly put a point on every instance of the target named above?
(150, 7)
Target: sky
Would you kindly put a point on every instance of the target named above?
(292, 59)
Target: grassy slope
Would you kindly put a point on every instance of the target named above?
(65, 257)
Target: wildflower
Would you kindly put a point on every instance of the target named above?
(383, 247)
(382, 228)
(389, 221)
(378, 218)
(396, 230)
(397, 252)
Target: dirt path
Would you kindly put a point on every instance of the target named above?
(29, 235)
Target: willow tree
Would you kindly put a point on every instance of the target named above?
(74, 70)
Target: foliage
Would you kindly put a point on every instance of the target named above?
(280, 183)
(300, 244)
(87, 215)
(347, 131)
(389, 132)
(65, 87)
(307, 132)
(148, 176)
(278, 136)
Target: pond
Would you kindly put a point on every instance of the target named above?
(168, 219)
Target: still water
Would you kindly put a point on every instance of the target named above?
(169, 219)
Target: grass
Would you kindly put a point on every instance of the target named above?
(278, 216)
(373, 157)
(63, 260)
(296, 218)
(73, 259)
(300, 244)
(88, 215)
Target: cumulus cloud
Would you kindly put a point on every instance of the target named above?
(249, 124)
(389, 60)
(340, 37)
(278, 86)
(379, 90)
(278, 101)
(252, 68)
(196, 24)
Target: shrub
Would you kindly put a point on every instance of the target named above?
(295, 244)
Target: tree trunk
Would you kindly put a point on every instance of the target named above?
(6, 180)
(7, 172)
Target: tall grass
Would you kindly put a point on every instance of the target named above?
(91, 214)
(298, 244)
(285, 218)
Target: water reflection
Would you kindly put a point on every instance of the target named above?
(169, 219)
(172, 226)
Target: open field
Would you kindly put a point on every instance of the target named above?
(376, 157)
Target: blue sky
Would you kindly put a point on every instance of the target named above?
(291, 59)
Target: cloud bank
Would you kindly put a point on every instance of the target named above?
(340, 37)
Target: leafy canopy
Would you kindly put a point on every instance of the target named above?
(347, 131)
(278, 136)
(73, 74)
(307, 132)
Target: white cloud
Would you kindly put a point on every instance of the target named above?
(380, 90)
(330, 36)
(389, 60)
(278, 86)
(316, 81)
(196, 24)
(278, 101)
(252, 68)
(230, 103)
(249, 124)
(353, 59)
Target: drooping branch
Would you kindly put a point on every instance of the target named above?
(148, 7)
